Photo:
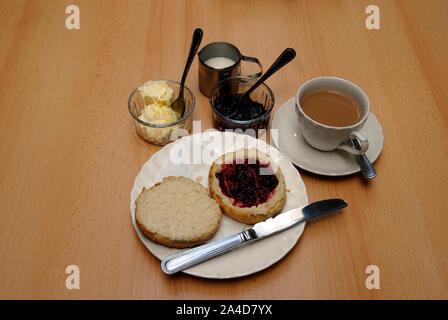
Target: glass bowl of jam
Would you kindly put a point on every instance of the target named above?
(232, 111)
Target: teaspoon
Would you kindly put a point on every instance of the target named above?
(367, 169)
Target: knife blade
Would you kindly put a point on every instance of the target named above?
(191, 257)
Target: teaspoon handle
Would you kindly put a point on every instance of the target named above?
(367, 169)
(195, 42)
(285, 57)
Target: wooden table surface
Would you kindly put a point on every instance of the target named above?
(69, 153)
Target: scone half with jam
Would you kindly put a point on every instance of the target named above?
(248, 185)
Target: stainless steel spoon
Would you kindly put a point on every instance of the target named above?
(367, 169)
(178, 105)
(285, 57)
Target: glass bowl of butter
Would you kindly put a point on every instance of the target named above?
(155, 121)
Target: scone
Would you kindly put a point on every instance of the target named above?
(248, 186)
(177, 212)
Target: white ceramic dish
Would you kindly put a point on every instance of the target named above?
(291, 143)
(241, 261)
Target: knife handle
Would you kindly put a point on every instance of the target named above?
(188, 258)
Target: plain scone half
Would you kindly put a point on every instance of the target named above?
(177, 212)
(251, 196)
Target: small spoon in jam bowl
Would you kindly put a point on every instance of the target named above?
(178, 105)
(284, 58)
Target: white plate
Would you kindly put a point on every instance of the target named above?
(291, 143)
(241, 261)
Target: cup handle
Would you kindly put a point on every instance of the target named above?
(255, 60)
(363, 142)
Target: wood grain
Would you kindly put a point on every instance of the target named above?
(69, 153)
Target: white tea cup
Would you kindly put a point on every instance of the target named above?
(329, 138)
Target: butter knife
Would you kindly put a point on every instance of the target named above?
(191, 257)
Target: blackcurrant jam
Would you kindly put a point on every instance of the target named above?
(245, 185)
(237, 108)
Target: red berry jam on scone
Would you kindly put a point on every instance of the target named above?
(246, 186)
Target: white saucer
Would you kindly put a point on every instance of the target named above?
(291, 143)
